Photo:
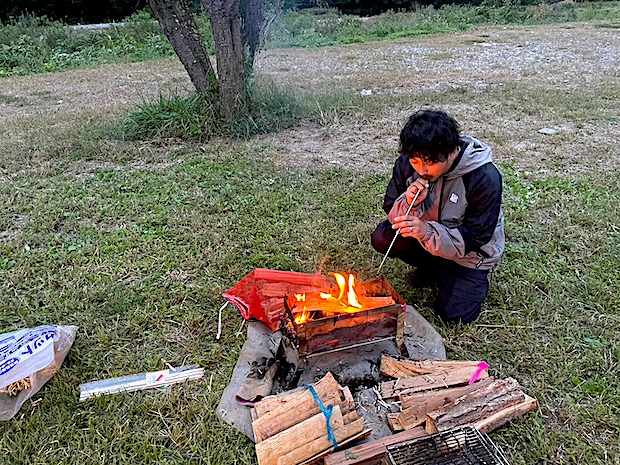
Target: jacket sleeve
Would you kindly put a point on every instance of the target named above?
(398, 184)
(484, 196)
(401, 206)
(484, 201)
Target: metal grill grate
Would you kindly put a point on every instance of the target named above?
(464, 445)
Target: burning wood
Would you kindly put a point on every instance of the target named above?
(261, 293)
(292, 428)
(343, 299)
(329, 321)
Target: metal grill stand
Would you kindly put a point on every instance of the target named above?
(464, 445)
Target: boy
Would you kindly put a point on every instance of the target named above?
(455, 229)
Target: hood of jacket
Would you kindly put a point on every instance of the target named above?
(474, 154)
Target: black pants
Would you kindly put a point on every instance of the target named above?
(461, 290)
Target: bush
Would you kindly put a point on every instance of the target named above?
(34, 45)
(189, 117)
(42, 31)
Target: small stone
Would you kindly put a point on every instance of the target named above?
(548, 131)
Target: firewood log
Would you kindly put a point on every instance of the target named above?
(475, 406)
(285, 400)
(298, 406)
(329, 307)
(292, 277)
(509, 413)
(415, 406)
(275, 290)
(393, 420)
(395, 368)
(323, 445)
(278, 445)
(437, 379)
(372, 452)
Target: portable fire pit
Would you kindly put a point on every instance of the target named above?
(349, 315)
(344, 331)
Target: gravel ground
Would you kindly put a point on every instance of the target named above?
(489, 74)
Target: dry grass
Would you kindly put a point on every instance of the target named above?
(502, 83)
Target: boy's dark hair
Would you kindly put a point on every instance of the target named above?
(431, 135)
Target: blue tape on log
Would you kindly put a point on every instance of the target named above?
(327, 412)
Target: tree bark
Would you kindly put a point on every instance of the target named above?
(475, 406)
(178, 23)
(252, 14)
(226, 22)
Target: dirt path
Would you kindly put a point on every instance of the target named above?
(503, 84)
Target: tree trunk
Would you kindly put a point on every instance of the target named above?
(252, 14)
(178, 23)
(225, 16)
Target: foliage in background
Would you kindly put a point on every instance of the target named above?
(71, 11)
(87, 12)
(328, 27)
(35, 45)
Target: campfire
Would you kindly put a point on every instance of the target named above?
(307, 308)
(346, 363)
(343, 316)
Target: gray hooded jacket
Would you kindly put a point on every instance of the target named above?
(462, 210)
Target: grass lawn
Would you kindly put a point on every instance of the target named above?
(138, 259)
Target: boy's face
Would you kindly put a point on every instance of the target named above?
(433, 171)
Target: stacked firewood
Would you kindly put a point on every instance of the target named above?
(435, 396)
(272, 286)
(442, 394)
(292, 428)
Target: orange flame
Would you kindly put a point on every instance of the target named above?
(305, 314)
(349, 290)
(345, 286)
(302, 317)
(341, 284)
(351, 296)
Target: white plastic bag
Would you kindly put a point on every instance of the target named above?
(37, 353)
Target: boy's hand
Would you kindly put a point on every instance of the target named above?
(411, 226)
(419, 185)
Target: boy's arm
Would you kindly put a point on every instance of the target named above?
(481, 215)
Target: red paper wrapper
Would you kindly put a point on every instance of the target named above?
(261, 293)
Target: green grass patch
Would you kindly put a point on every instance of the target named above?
(175, 116)
(138, 259)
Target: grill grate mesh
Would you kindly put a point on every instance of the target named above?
(464, 445)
